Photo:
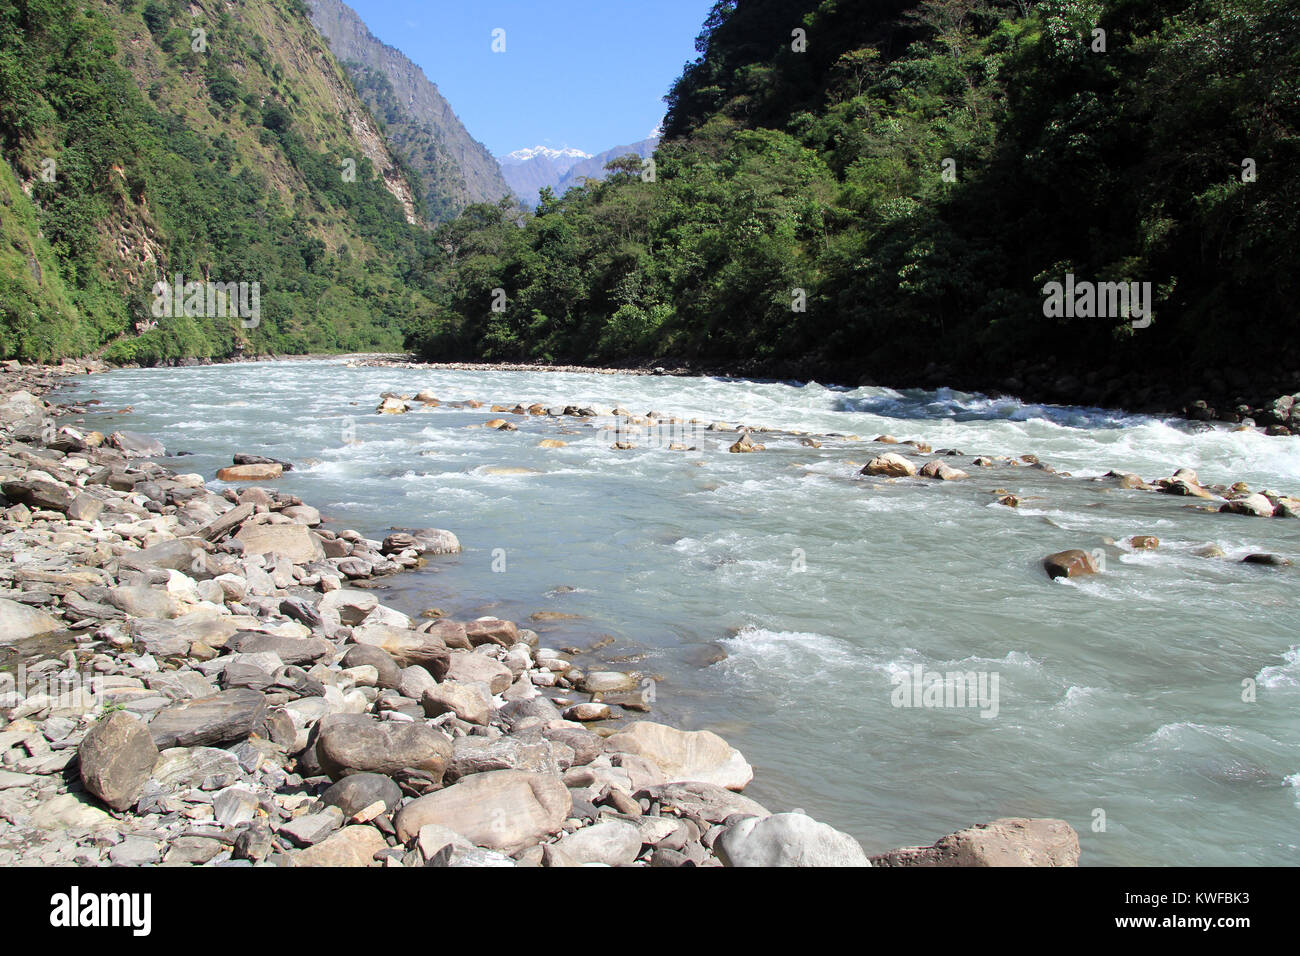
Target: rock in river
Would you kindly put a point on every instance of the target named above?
(1069, 564)
(890, 465)
(1011, 841)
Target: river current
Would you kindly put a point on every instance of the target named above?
(1155, 707)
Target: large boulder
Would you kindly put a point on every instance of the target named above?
(259, 472)
(505, 810)
(703, 801)
(351, 846)
(146, 602)
(363, 655)
(468, 667)
(405, 646)
(290, 650)
(787, 839)
(471, 755)
(890, 465)
(1010, 841)
(942, 471)
(18, 621)
(1187, 487)
(471, 703)
(135, 445)
(1254, 506)
(178, 554)
(117, 758)
(350, 605)
(613, 843)
(348, 744)
(436, 541)
(173, 638)
(1069, 564)
(38, 493)
(19, 405)
(292, 541)
(492, 630)
(683, 755)
(223, 718)
(358, 791)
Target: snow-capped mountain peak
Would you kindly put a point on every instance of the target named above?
(567, 153)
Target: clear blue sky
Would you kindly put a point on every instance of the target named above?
(580, 73)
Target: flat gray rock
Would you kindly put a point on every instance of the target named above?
(224, 718)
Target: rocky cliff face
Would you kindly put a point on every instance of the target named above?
(454, 169)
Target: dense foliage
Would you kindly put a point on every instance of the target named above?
(204, 154)
(821, 171)
(851, 190)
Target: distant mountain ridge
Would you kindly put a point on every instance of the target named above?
(529, 170)
(454, 169)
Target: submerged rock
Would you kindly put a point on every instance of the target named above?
(258, 472)
(1069, 564)
(890, 465)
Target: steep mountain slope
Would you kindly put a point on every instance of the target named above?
(888, 191)
(454, 168)
(221, 142)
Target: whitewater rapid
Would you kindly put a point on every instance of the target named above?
(1121, 696)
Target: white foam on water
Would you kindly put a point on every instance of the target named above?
(898, 574)
(1293, 781)
(1287, 674)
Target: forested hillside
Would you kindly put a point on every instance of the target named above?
(881, 190)
(222, 142)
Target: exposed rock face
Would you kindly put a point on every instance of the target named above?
(454, 169)
(1011, 841)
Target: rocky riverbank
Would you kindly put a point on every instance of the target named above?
(201, 677)
(888, 460)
